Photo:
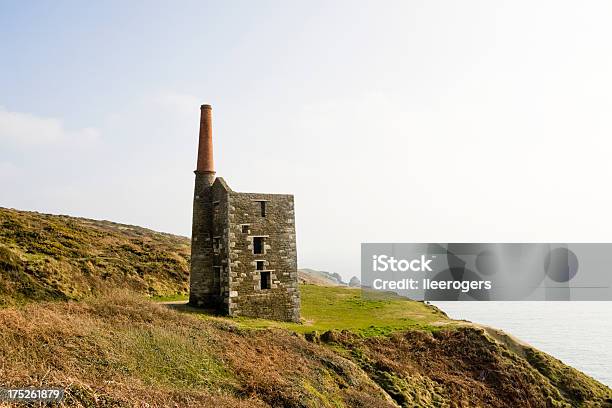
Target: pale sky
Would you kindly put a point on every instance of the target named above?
(410, 121)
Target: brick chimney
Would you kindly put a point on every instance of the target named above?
(205, 147)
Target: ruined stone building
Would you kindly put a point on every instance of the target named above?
(243, 252)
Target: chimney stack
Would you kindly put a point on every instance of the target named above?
(205, 147)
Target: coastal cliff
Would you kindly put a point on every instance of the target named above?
(82, 307)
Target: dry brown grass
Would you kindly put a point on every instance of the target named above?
(112, 351)
(121, 350)
(466, 367)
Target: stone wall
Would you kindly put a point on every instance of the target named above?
(246, 297)
(220, 237)
(200, 278)
(224, 270)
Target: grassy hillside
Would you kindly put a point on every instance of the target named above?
(117, 347)
(342, 308)
(121, 350)
(314, 277)
(45, 257)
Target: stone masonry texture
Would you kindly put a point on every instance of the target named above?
(226, 273)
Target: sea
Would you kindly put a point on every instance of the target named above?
(577, 333)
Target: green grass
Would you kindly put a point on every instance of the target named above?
(52, 257)
(340, 308)
(178, 297)
(163, 358)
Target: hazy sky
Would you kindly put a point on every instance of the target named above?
(411, 121)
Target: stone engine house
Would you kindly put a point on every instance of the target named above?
(243, 251)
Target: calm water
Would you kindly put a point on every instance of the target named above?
(577, 333)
